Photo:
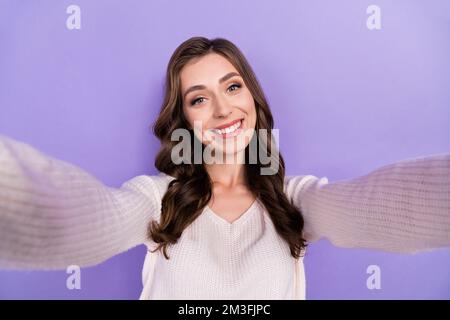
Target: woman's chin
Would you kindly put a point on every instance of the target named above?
(232, 154)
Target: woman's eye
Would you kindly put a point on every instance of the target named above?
(235, 85)
(196, 101)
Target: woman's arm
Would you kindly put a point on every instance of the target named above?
(53, 214)
(401, 207)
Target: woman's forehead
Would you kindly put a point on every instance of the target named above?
(205, 70)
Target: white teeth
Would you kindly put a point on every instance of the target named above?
(229, 129)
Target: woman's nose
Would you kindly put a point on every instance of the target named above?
(222, 108)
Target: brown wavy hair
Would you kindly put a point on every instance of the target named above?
(191, 190)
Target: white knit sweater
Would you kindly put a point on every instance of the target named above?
(54, 214)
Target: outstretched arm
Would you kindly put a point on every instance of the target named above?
(401, 207)
(54, 214)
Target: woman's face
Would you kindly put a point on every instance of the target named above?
(217, 101)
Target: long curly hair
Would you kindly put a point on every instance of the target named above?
(191, 190)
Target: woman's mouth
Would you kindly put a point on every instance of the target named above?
(230, 131)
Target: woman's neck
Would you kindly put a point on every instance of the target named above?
(227, 174)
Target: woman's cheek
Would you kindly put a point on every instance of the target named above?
(207, 136)
(201, 130)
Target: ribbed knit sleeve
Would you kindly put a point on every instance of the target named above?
(54, 214)
(402, 207)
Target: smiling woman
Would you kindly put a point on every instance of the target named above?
(222, 105)
(220, 109)
(214, 231)
(220, 94)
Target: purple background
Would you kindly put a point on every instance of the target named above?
(346, 99)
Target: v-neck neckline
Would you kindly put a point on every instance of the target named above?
(242, 218)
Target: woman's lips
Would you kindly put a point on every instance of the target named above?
(229, 124)
(232, 130)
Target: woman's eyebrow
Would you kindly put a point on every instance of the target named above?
(228, 76)
(193, 88)
(201, 87)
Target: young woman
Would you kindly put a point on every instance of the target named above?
(214, 230)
